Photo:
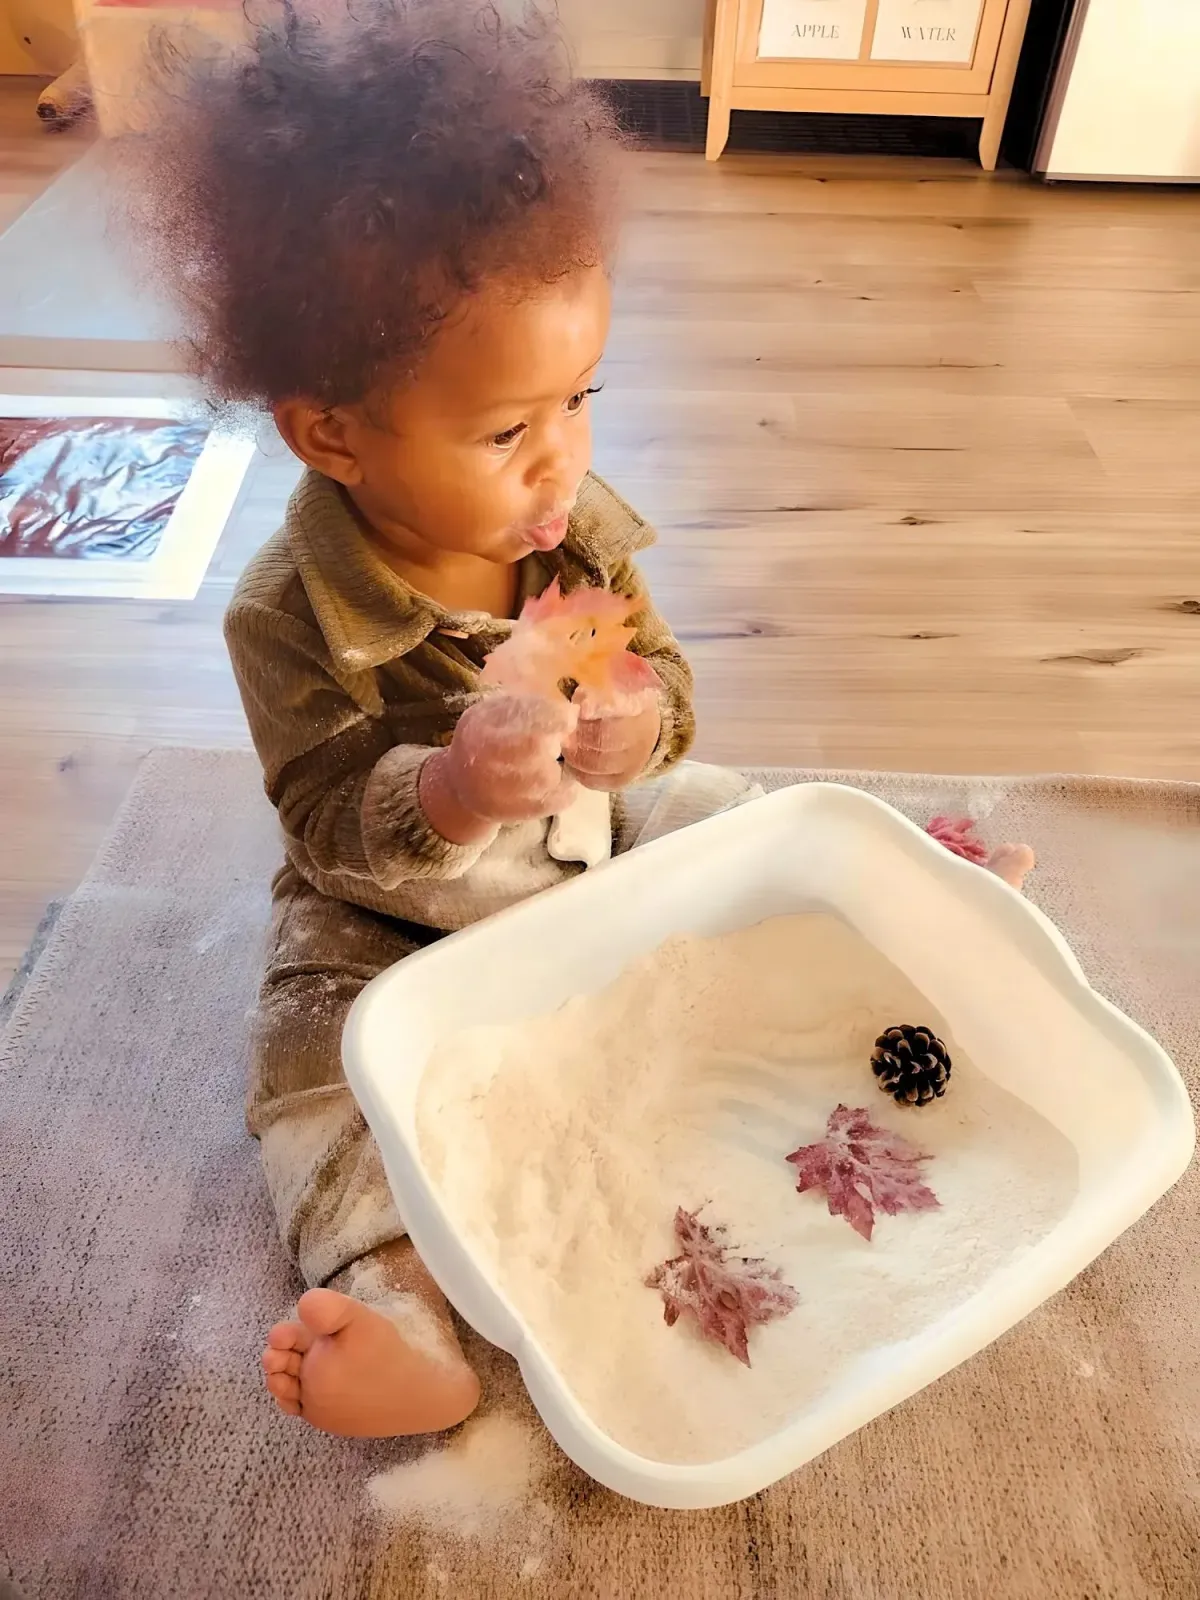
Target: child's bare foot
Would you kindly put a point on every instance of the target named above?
(346, 1368)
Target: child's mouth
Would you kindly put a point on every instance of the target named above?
(547, 535)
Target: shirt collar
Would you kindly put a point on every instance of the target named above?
(369, 615)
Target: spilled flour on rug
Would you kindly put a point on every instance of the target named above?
(477, 1486)
(562, 1146)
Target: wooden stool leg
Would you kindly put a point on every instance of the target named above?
(718, 126)
(720, 53)
(1003, 77)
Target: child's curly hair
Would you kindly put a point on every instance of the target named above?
(319, 203)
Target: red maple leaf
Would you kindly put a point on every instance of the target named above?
(727, 1294)
(861, 1167)
(582, 637)
(958, 835)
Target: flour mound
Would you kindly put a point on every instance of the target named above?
(470, 1487)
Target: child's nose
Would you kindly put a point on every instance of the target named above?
(561, 459)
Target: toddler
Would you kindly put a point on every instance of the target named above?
(393, 230)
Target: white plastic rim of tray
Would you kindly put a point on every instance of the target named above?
(1009, 987)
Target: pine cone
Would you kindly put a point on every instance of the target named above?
(912, 1065)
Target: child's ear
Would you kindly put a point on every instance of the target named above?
(321, 436)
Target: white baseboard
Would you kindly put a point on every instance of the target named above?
(635, 55)
(603, 73)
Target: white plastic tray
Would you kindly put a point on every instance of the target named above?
(999, 972)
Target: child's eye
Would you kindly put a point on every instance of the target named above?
(576, 402)
(509, 437)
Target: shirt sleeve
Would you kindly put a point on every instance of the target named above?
(655, 642)
(343, 789)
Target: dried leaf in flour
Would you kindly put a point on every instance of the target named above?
(582, 637)
(861, 1168)
(726, 1293)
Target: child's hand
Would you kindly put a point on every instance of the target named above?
(609, 749)
(501, 766)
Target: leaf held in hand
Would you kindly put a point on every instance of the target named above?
(862, 1168)
(727, 1294)
(958, 835)
(582, 637)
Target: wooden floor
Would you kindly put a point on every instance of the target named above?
(924, 449)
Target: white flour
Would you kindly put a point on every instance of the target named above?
(561, 1148)
(470, 1487)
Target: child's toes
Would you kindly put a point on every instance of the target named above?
(290, 1336)
(277, 1361)
(286, 1390)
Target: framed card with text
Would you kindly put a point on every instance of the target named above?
(926, 30)
(813, 30)
(951, 58)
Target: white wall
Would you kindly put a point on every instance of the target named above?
(635, 38)
(14, 58)
(609, 38)
(1132, 107)
(37, 36)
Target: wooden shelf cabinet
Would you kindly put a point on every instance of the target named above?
(949, 58)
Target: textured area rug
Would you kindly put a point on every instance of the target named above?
(139, 1268)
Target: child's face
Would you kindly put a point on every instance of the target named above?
(483, 453)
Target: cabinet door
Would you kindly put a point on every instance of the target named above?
(927, 31)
